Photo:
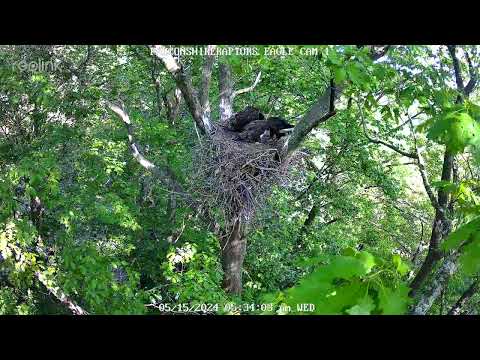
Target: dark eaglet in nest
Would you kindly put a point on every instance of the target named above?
(240, 163)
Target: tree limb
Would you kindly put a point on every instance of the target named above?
(161, 172)
(473, 76)
(378, 141)
(60, 295)
(184, 83)
(423, 172)
(456, 68)
(226, 90)
(472, 289)
(205, 85)
(448, 268)
(247, 89)
(320, 112)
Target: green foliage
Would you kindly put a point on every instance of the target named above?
(109, 240)
(90, 277)
(456, 130)
(351, 285)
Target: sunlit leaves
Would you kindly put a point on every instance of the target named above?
(364, 307)
(400, 265)
(345, 287)
(456, 130)
(462, 234)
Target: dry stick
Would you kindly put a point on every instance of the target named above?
(249, 88)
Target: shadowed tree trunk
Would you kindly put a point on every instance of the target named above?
(233, 253)
(441, 225)
(440, 229)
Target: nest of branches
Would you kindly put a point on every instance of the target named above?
(235, 177)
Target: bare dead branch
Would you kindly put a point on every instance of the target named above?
(247, 89)
(163, 173)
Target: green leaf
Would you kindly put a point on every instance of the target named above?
(340, 75)
(394, 302)
(349, 251)
(364, 307)
(344, 267)
(367, 260)
(461, 234)
(340, 298)
(401, 267)
(455, 129)
(470, 258)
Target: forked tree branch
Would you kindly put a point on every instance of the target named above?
(184, 83)
(465, 90)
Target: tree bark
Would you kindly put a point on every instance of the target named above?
(184, 83)
(320, 112)
(172, 104)
(233, 253)
(226, 92)
(447, 269)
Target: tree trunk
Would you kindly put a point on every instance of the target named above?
(440, 229)
(233, 254)
(437, 284)
(226, 92)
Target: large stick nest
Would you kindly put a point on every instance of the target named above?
(235, 177)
